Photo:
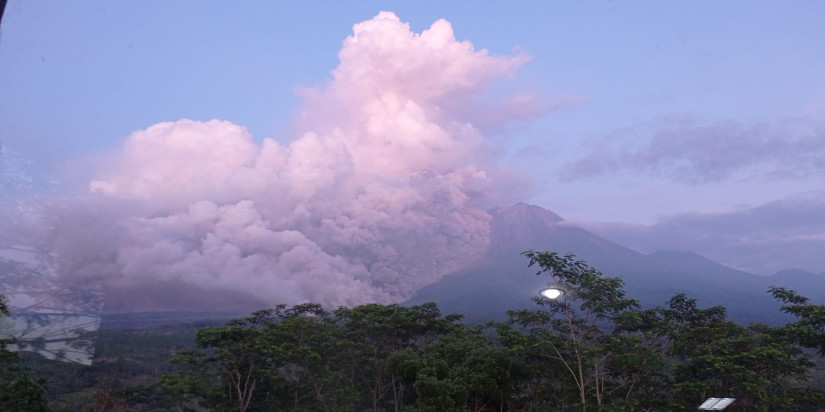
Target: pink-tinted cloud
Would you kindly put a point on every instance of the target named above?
(178, 161)
(381, 193)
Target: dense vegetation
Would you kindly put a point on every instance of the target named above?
(595, 349)
(18, 391)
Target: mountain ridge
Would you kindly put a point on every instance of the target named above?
(501, 280)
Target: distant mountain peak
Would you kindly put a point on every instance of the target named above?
(500, 279)
(521, 227)
(522, 212)
(671, 253)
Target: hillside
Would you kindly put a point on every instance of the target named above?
(500, 279)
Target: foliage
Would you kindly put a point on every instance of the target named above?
(715, 357)
(19, 391)
(128, 363)
(374, 337)
(305, 358)
(584, 330)
(594, 349)
(808, 330)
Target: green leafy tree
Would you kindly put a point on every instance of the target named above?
(276, 359)
(374, 334)
(463, 371)
(808, 331)
(18, 392)
(715, 357)
(808, 327)
(545, 380)
(229, 366)
(594, 349)
(581, 329)
(637, 365)
(305, 346)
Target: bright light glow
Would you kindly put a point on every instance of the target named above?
(552, 293)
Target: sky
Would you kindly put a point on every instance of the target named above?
(690, 125)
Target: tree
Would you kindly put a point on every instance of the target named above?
(275, 359)
(307, 359)
(544, 383)
(581, 328)
(712, 356)
(304, 347)
(463, 371)
(19, 392)
(808, 328)
(594, 349)
(374, 334)
(228, 366)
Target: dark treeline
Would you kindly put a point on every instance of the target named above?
(18, 391)
(594, 349)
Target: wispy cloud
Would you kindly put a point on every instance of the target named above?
(787, 233)
(695, 153)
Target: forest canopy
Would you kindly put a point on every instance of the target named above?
(593, 348)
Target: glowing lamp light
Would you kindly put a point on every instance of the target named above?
(553, 292)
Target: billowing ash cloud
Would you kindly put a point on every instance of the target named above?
(381, 194)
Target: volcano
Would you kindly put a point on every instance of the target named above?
(500, 280)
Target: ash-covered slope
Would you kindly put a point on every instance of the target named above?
(501, 280)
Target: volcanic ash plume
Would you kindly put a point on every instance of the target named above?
(381, 194)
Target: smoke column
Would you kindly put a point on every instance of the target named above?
(381, 193)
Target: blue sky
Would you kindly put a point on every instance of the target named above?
(651, 110)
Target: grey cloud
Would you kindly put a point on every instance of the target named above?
(787, 233)
(688, 152)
